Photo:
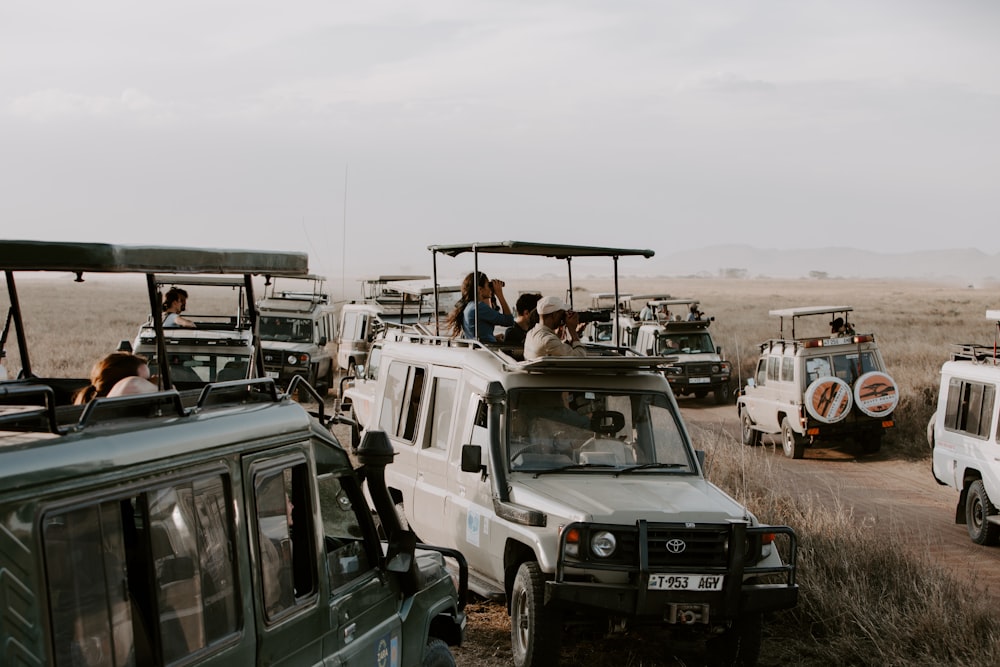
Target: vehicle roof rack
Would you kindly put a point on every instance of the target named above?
(974, 352)
(805, 311)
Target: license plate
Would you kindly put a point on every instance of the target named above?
(700, 380)
(685, 582)
(271, 374)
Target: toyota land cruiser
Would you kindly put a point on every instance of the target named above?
(572, 488)
(963, 436)
(818, 387)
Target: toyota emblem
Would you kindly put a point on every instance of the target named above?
(676, 546)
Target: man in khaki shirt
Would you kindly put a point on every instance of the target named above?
(543, 341)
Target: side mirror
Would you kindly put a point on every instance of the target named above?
(649, 351)
(124, 346)
(700, 455)
(718, 349)
(751, 382)
(472, 459)
(322, 341)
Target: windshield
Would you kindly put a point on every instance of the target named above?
(192, 370)
(290, 329)
(551, 429)
(684, 343)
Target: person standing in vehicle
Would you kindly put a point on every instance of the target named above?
(474, 303)
(543, 341)
(524, 320)
(175, 303)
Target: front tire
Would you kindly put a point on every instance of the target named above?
(535, 632)
(437, 654)
(722, 394)
(791, 442)
(739, 646)
(751, 436)
(977, 508)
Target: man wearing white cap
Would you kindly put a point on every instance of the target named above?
(543, 341)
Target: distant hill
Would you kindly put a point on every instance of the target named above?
(962, 266)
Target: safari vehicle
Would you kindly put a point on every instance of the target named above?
(156, 529)
(700, 367)
(571, 486)
(218, 349)
(410, 301)
(819, 387)
(295, 327)
(963, 435)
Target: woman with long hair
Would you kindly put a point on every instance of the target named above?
(117, 367)
(474, 304)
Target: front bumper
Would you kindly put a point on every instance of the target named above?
(747, 588)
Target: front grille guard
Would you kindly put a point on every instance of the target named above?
(738, 532)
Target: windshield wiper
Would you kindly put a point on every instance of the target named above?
(572, 466)
(652, 466)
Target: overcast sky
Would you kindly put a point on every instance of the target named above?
(653, 124)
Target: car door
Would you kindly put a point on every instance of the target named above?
(430, 493)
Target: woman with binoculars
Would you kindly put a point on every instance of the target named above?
(478, 292)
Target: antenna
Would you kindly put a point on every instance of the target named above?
(343, 245)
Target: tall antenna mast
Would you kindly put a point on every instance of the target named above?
(343, 245)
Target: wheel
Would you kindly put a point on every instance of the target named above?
(739, 646)
(437, 654)
(751, 436)
(791, 442)
(535, 632)
(722, 394)
(977, 508)
(871, 443)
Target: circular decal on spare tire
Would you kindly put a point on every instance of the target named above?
(828, 399)
(876, 394)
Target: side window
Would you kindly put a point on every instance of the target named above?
(787, 369)
(401, 400)
(392, 397)
(761, 371)
(773, 368)
(374, 357)
(288, 572)
(480, 430)
(969, 408)
(152, 569)
(347, 557)
(441, 411)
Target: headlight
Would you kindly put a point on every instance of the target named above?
(297, 359)
(715, 369)
(603, 544)
(292, 360)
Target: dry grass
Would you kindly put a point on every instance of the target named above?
(863, 599)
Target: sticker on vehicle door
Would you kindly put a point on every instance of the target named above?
(876, 394)
(387, 651)
(828, 399)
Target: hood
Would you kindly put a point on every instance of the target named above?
(603, 498)
(286, 346)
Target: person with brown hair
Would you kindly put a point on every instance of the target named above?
(477, 291)
(113, 376)
(175, 303)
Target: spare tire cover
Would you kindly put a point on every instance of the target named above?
(876, 394)
(828, 399)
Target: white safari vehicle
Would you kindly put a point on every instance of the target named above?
(818, 387)
(964, 438)
(571, 486)
(700, 367)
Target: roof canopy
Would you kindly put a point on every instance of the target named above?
(555, 250)
(108, 258)
(809, 310)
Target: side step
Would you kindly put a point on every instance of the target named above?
(482, 587)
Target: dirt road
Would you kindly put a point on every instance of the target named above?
(902, 498)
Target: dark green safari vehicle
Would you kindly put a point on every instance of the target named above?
(217, 526)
